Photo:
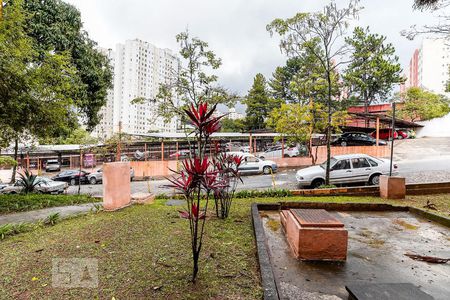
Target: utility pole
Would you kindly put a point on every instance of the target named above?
(392, 144)
(119, 143)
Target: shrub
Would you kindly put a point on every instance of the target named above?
(28, 181)
(52, 219)
(264, 193)
(6, 161)
(198, 177)
(327, 186)
(25, 202)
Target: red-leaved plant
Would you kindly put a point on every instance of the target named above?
(199, 177)
(227, 166)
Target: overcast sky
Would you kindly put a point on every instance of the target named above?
(234, 29)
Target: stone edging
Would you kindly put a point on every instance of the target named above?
(268, 279)
(265, 266)
(411, 189)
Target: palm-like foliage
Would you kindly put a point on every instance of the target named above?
(28, 181)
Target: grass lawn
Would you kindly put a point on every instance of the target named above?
(144, 252)
(22, 202)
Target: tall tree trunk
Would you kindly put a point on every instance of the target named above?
(16, 150)
(327, 174)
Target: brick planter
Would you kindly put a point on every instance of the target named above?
(313, 234)
(392, 187)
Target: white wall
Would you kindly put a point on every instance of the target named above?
(439, 127)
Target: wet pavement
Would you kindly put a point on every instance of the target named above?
(376, 247)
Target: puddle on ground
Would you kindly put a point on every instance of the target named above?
(376, 247)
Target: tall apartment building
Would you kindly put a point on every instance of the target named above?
(429, 66)
(139, 69)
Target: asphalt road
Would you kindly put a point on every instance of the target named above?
(421, 160)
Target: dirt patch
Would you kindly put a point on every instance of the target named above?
(405, 224)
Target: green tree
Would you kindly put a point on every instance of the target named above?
(421, 105)
(78, 136)
(37, 91)
(259, 104)
(282, 78)
(55, 26)
(230, 125)
(298, 122)
(374, 69)
(326, 29)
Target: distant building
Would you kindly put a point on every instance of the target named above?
(234, 115)
(139, 69)
(429, 66)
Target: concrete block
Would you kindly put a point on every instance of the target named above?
(116, 185)
(392, 187)
(143, 198)
(317, 238)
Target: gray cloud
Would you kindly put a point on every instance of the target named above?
(234, 29)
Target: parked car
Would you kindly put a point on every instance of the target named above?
(72, 177)
(180, 154)
(275, 151)
(402, 134)
(356, 139)
(254, 165)
(45, 185)
(344, 169)
(97, 176)
(52, 165)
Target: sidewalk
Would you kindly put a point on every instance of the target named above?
(41, 214)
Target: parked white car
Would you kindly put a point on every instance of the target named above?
(254, 165)
(97, 176)
(348, 168)
(52, 165)
(46, 186)
(275, 152)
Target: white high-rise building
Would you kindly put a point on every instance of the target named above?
(434, 63)
(429, 66)
(105, 128)
(139, 69)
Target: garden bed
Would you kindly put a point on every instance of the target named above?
(144, 252)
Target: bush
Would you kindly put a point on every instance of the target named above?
(12, 229)
(28, 181)
(264, 193)
(327, 186)
(7, 162)
(21, 202)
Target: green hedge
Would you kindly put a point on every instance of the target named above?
(21, 202)
(242, 194)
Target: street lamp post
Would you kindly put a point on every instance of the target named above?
(393, 135)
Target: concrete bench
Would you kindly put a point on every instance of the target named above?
(314, 234)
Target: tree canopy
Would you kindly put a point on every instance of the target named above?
(298, 122)
(56, 26)
(321, 33)
(259, 104)
(373, 70)
(421, 105)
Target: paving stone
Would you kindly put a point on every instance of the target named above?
(386, 291)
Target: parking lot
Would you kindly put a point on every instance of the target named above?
(419, 160)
